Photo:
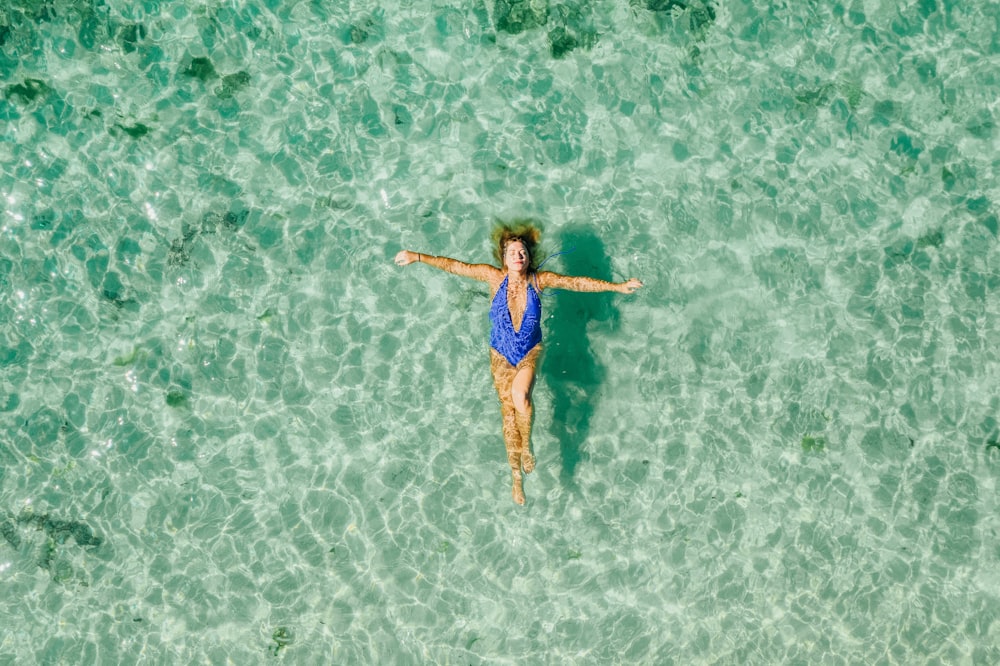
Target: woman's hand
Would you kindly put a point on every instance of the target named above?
(630, 286)
(405, 257)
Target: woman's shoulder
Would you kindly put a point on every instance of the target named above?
(538, 280)
(545, 279)
(494, 277)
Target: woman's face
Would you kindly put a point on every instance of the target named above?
(515, 257)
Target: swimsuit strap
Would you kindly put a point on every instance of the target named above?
(556, 254)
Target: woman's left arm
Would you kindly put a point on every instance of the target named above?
(570, 283)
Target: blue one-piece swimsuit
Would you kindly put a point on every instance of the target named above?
(515, 345)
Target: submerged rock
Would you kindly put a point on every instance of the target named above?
(130, 34)
(136, 131)
(570, 29)
(663, 5)
(10, 534)
(369, 29)
(201, 68)
(515, 16)
(699, 15)
(282, 637)
(27, 91)
(57, 533)
(176, 399)
(232, 84)
(61, 530)
(562, 42)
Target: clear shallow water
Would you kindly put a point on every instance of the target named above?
(233, 430)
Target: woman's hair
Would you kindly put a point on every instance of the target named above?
(526, 231)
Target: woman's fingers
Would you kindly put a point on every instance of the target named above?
(632, 285)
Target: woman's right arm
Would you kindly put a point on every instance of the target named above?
(481, 272)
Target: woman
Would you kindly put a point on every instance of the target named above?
(516, 319)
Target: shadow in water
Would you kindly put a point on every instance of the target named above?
(569, 367)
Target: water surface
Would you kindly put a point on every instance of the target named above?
(234, 431)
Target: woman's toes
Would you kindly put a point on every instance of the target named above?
(518, 491)
(518, 495)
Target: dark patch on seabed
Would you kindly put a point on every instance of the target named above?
(702, 12)
(27, 91)
(58, 532)
(180, 249)
(232, 84)
(20, 22)
(136, 131)
(516, 16)
(200, 68)
(203, 69)
(569, 25)
(367, 30)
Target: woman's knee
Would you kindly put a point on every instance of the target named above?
(521, 399)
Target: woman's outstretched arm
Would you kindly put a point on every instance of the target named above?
(557, 281)
(482, 272)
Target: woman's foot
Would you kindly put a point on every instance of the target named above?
(527, 462)
(518, 490)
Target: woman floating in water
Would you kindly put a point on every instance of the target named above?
(516, 318)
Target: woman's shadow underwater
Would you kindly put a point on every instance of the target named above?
(569, 367)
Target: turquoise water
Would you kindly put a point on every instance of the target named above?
(234, 432)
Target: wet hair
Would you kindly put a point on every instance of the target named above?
(525, 231)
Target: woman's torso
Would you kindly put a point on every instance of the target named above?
(516, 318)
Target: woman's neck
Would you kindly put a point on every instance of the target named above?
(518, 276)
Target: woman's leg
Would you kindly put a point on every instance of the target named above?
(520, 393)
(503, 378)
